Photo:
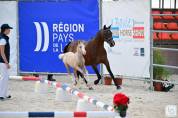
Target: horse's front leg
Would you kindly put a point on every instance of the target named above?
(79, 74)
(84, 69)
(82, 75)
(80, 70)
(106, 62)
(86, 73)
(97, 73)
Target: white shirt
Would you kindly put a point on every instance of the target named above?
(2, 41)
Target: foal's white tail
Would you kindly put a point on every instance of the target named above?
(61, 56)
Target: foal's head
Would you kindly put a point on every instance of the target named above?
(81, 48)
(108, 35)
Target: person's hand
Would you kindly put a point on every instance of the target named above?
(8, 66)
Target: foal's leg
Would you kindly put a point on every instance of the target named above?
(106, 62)
(80, 70)
(68, 70)
(86, 72)
(98, 74)
(84, 79)
(67, 67)
(76, 77)
(79, 74)
(82, 76)
(84, 69)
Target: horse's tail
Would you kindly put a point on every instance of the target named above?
(66, 47)
(61, 56)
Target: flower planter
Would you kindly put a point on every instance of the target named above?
(121, 102)
(107, 80)
(158, 86)
(118, 80)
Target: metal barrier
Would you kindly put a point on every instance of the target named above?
(152, 48)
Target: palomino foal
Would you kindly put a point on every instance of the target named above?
(76, 61)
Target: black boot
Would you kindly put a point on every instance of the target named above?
(118, 87)
(36, 75)
(50, 77)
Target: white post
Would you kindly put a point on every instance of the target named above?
(41, 87)
(62, 95)
(83, 105)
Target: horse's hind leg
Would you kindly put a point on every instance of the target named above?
(98, 74)
(76, 77)
(68, 70)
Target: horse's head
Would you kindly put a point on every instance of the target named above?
(81, 48)
(108, 35)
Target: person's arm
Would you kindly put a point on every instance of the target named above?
(4, 56)
(2, 53)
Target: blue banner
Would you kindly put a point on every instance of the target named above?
(46, 27)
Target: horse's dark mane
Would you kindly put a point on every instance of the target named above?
(66, 47)
(98, 35)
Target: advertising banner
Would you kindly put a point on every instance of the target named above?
(45, 28)
(130, 20)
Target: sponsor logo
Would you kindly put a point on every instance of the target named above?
(171, 111)
(127, 29)
(60, 34)
(138, 52)
(142, 52)
(39, 40)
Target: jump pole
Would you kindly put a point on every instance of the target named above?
(81, 95)
(62, 114)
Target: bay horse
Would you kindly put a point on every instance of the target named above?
(76, 61)
(96, 53)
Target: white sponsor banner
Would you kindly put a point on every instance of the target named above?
(130, 21)
(8, 14)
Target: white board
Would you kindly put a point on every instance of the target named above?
(130, 21)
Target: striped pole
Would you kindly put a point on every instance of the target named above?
(62, 114)
(25, 78)
(79, 94)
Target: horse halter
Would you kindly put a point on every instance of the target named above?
(108, 37)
